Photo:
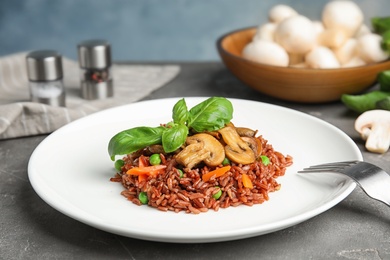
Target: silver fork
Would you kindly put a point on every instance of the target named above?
(374, 181)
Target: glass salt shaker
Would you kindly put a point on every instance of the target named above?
(95, 69)
(44, 70)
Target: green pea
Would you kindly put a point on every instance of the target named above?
(155, 159)
(225, 161)
(143, 197)
(118, 164)
(181, 174)
(265, 160)
(218, 194)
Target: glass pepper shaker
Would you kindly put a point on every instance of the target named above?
(95, 69)
(44, 70)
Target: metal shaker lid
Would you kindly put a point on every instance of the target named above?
(94, 54)
(44, 65)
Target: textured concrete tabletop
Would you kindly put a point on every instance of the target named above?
(356, 228)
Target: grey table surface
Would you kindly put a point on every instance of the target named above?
(356, 228)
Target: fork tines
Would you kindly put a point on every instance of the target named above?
(329, 166)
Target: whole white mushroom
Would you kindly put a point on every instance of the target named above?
(321, 58)
(347, 51)
(343, 14)
(354, 62)
(296, 59)
(374, 128)
(265, 32)
(318, 27)
(364, 29)
(266, 52)
(369, 46)
(279, 13)
(332, 38)
(296, 34)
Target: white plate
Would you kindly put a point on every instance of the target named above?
(71, 168)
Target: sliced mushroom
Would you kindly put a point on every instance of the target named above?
(214, 134)
(201, 147)
(236, 149)
(254, 144)
(191, 155)
(156, 148)
(244, 131)
(374, 128)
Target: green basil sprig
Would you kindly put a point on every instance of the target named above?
(180, 112)
(174, 137)
(381, 26)
(133, 139)
(209, 115)
(364, 102)
(376, 99)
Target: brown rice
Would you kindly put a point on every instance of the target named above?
(189, 193)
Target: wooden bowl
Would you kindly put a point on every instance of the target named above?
(294, 84)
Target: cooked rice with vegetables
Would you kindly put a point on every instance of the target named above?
(198, 161)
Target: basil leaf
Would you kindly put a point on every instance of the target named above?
(174, 137)
(180, 112)
(383, 103)
(364, 102)
(133, 139)
(385, 43)
(210, 115)
(380, 24)
(384, 80)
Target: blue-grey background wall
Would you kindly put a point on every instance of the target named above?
(142, 30)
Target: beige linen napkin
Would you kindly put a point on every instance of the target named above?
(20, 117)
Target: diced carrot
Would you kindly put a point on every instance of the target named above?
(142, 162)
(148, 170)
(259, 147)
(217, 173)
(144, 169)
(142, 177)
(246, 181)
